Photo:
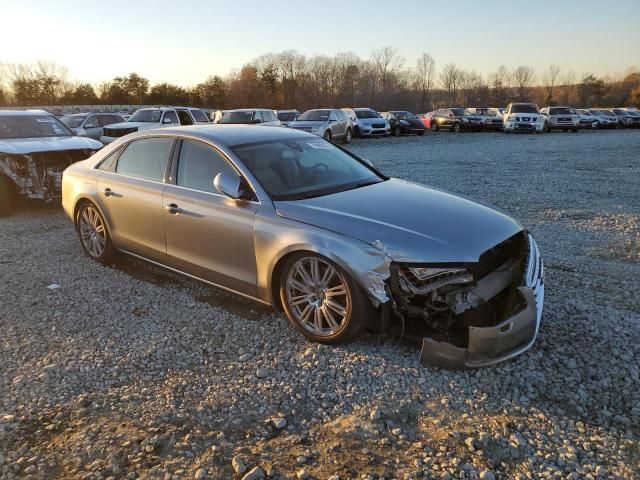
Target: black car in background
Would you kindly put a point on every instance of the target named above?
(455, 120)
(404, 123)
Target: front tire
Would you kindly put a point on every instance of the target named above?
(457, 128)
(94, 234)
(327, 136)
(321, 301)
(397, 132)
(5, 197)
(434, 126)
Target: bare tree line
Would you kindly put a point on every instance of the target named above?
(290, 79)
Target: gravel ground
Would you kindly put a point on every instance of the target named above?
(132, 372)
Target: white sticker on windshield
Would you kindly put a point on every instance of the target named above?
(320, 145)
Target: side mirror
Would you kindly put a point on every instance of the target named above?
(256, 120)
(333, 120)
(90, 125)
(228, 185)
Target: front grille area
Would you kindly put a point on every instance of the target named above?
(304, 129)
(119, 132)
(377, 125)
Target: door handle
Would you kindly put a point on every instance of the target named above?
(173, 209)
(108, 192)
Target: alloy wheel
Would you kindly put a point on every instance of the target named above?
(318, 296)
(92, 231)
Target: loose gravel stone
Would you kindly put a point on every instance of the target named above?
(238, 464)
(128, 371)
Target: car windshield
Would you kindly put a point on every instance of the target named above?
(32, 126)
(524, 109)
(237, 117)
(608, 112)
(461, 112)
(301, 168)
(486, 112)
(73, 121)
(287, 116)
(147, 116)
(315, 116)
(560, 111)
(584, 112)
(404, 115)
(367, 114)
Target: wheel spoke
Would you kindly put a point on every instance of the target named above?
(317, 319)
(298, 299)
(298, 285)
(336, 307)
(327, 276)
(335, 291)
(304, 275)
(331, 321)
(315, 270)
(306, 313)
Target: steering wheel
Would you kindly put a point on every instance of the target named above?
(315, 169)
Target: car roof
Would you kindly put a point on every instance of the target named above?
(24, 113)
(363, 109)
(233, 135)
(248, 110)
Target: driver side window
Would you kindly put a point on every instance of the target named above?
(198, 165)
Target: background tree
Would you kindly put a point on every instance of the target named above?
(425, 75)
(167, 94)
(451, 80)
(550, 78)
(523, 78)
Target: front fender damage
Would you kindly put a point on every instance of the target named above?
(480, 314)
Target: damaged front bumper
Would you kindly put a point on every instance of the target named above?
(483, 321)
(488, 345)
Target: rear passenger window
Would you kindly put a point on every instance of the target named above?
(172, 116)
(198, 165)
(107, 163)
(185, 118)
(199, 116)
(145, 158)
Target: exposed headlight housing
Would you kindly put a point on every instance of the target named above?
(422, 280)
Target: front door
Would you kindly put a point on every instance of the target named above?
(208, 234)
(130, 197)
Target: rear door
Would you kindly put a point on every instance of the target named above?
(130, 196)
(208, 234)
(92, 127)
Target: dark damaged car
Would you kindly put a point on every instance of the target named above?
(35, 148)
(293, 221)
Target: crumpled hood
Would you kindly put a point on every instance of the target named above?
(24, 146)
(410, 222)
(139, 125)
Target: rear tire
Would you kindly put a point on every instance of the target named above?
(457, 128)
(94, 234)
(356, 132)
(6, 203)
(310, 310)
(574, 130)
(421, 132)
(434, 127)
(397, 132)
(347, 137)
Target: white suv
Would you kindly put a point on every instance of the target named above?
(149, 118)
(560, 118)
(522, 117)
(366, 122)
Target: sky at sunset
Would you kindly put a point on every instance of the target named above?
(184, 42)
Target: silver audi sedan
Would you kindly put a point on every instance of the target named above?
(291, 220)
